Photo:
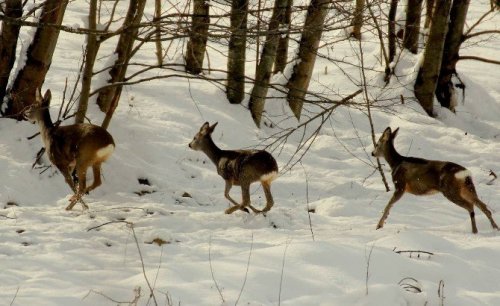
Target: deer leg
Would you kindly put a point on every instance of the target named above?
(269, 197)
(228, 187)
(96, 168)
(81, 172)
(66, 172)
(487, 212)
(398, 193)
(463, 199)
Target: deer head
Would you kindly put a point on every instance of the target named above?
(203, 137)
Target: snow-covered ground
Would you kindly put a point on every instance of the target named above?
(332, 256)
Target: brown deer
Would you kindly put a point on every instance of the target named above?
(238, 167)
(419, 176)
(72, 147)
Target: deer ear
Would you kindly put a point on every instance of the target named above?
(47, 97)
(204, 127)
(212, 127)
(387, 133)
(395, 133)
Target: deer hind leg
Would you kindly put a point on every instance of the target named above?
(398, 193)
(487, 212)
(96, 168)
(81, 172)
(269, 197)
(463, 197)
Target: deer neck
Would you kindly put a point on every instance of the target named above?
(392, 156)
(46, 127)
(212, 151)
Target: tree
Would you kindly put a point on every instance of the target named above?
(445, 89)
(309, 42)
(9, 35)
(39, 58)
(427, 77)
(282, 52)
(110, 95)
(198, 35)
(264, 68)
(357, 20)
(235, 88)
(412, 25)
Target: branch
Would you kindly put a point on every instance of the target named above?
(480, 59)
(465, 37)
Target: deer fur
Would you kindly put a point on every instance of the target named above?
(423, 177)
(72, 147)
(238, 167)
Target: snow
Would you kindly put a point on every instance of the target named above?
(189, 247)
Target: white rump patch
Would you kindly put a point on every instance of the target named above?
(103, 153)
(269, 177)
(461, 175)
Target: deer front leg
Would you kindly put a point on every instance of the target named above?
(395, 197)
(81, 172)
(236, 205)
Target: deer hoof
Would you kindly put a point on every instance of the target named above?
(379, 226)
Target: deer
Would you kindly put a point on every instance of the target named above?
(239, 168)
(420, 177)
(72, 148)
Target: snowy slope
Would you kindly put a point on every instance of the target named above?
(334, 256)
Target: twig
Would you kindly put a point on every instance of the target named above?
(15, 296)
(212, 270)
(7, 217)
(131, 226)
(307, 200)
(419, 252)
(246, 272)
(282, 270)
(490, 182)
(441, 292)
(368, 259)
(415, 288)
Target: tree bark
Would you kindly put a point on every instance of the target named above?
(108, 98)
(264, 68)
(9, 35)
(39, 58)
(159, 48)
(309, 42)
(198, 36)
(427, 77)
(392, 30)
(357, 21)
(235, 89)
(282, 52)
(90, 57)
(412, 26)
(429, 10)
(454, 38)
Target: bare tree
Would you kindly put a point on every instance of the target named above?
(357, 21)
(445, 89)
(109, 96)
(198, 36)
(39, 58)
(282, 52)
(9, 34)
(235, 89)
(429, 10)
(264, 68)
(412, 26)
(392, 30)
(309, 43)
(427, 77)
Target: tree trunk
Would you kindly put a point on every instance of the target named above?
(309, 42)
(427, 77)
(429, 10)
(108, 97)
(445, 89)
(282, 52)
(198, 36)
(90, 57)
(235, 89)
(412, 26)
(9, 35)
(159, 48)
(357, 21)
(392, 38)
(264, 68)
(39, 58)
